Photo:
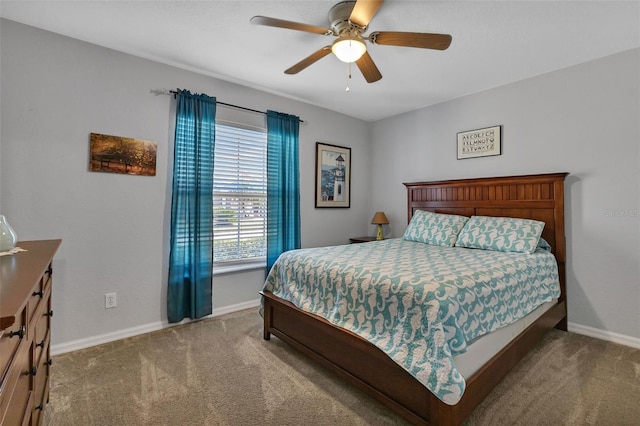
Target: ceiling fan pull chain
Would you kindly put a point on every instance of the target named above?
(348, 76)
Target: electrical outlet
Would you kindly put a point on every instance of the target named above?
(110, 300)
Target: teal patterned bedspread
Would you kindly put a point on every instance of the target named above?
(420, 304)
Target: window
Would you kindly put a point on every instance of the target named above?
(239, 195)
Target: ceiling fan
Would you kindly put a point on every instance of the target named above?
(349, 20)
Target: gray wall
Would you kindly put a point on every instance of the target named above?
(584, 120)
(57, 90)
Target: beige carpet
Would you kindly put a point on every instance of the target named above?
(221, 372)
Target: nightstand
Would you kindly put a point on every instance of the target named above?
(355, 240)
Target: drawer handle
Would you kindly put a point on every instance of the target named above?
(38, 293)
(48, 362)
(32, 371)
(41, 344)
(39, 407)
(49, 314)
(49, 270)
(19, 333)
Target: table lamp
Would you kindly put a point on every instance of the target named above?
(379, 219)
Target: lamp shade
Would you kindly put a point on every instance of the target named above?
(379, 219)
(348, 49)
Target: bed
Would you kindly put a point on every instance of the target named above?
(537, 197)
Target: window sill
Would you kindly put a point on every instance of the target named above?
(238, 267)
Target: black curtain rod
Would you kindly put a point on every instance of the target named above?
(175, 94)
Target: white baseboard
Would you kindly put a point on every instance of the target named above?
(75, 345)
(218, 312)
(604, 335)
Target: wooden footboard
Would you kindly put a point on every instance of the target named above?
(371, 370)
(348, 355)
(539, 197)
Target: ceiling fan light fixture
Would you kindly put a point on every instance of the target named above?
(348, 49)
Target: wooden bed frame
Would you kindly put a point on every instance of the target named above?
(539, 197)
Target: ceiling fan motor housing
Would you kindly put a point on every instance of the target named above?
(339, 18)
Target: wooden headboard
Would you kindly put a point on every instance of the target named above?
(539, 197)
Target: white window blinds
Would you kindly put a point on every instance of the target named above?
(239, 194)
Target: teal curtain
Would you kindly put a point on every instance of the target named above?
(283, 185)
(190, 259)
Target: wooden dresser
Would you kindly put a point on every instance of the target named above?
(25, 322)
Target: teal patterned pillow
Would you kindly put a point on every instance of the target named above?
(544, 245)
(434, 228)
(501, 234)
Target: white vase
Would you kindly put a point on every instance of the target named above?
(8, 237)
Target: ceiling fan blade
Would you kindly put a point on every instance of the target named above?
(422, 40)
(281, 23)
(364, 11)
(314, 57)
(368, 68)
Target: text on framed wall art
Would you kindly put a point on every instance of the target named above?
(479, 143)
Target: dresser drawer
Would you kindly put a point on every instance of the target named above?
(9, 341)
(37, 414)
(16, 399)
(40, 389)
(39, 294)
(41, 342)
(41, 327)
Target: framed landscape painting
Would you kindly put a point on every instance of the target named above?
(115, 154)
(333, 176)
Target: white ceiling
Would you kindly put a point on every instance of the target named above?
(494, 43)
